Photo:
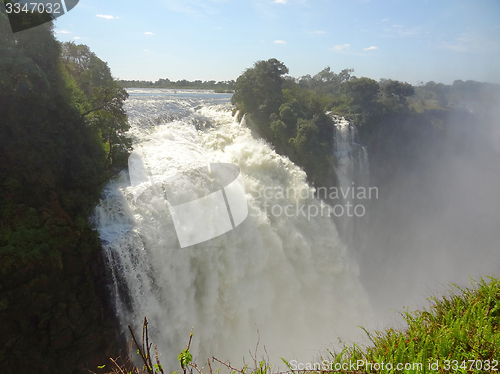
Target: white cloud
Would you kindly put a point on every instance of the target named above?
(385, 19)
(340, 47)
(279, 42)
(319, 32)
(104, 16)
(148, 33)
(63, 32)
(77, 37)
(280, 1)
(372, 48)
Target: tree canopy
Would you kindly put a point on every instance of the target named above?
(259, 89)
(289, 116)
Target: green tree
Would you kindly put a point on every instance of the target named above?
(289, 115)
(103, 107)
(258, 90)
(394, 94)
(362, 95)
(362, 91)
(327, 82)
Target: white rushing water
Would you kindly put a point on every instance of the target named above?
(287, 276)
(352, 170)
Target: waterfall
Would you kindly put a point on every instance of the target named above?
(280, 275)
(352, 171)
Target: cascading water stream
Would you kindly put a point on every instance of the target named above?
(352, 171)
(280, 272)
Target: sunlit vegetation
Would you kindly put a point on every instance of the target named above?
(458, 333)
(291, 117)
(100, 100)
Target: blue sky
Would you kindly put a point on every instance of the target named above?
(408, 40)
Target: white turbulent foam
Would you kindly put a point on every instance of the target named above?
(287, 277)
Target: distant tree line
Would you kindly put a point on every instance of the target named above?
(469, 94)
(222, 86)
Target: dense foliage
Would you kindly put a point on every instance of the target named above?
(392, 117)
(294, 114)
(100, 100)
(62, 128)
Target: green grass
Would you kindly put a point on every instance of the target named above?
(458, 333)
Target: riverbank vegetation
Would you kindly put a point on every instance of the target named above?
(62, 136)
(393, 118)
(459, 333)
